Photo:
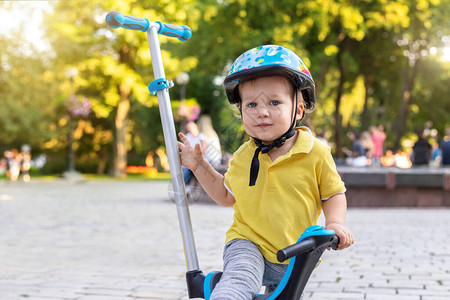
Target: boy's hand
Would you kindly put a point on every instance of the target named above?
(191, 157)
(345, 236)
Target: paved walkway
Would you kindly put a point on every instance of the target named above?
(113, 240)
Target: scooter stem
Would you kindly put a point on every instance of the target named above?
(173, 156)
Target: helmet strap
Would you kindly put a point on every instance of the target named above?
(254, 168)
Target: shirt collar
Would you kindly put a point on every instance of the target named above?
(305, 141)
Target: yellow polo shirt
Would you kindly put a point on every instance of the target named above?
(286, 198)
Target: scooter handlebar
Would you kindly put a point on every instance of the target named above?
(304, 246)
(335, 243)
(296, 249)
(183, 32)
(115, 20)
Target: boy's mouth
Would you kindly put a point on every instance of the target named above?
(264, 125)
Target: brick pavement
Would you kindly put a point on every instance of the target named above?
(114, 240)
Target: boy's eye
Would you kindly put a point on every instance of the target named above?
(274, 102)
(252, 104)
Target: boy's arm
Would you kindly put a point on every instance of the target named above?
(334, 210)
(211, 180)
(213, 183)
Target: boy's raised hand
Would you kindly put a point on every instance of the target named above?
(191, 157)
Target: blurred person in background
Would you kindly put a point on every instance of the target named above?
(367, 143)
(436, 153)
(357, 155)
(213, 152)
(378, 137)
(421, 150)
(445, 149)
(25, 164)
(195, 137)
(14, 165)
(7, 158)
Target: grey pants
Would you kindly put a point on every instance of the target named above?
(245, 270)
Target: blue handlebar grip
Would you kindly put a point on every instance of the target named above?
(115, 20)
(183, 32)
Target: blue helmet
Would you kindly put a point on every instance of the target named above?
(270, 60)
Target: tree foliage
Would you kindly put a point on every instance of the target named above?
(27, 103)
(374, 62)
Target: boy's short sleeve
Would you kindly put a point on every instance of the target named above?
(330, 182)
(226, 179)
(237, 163)
(231, 173)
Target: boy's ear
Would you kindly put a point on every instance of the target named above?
(300, 111)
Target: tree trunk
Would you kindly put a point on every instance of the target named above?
(121, 122)
(71, 153)
(409, 78)
(102, 161)
(365, 119)
(337, 115)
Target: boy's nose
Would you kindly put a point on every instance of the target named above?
(262, 111)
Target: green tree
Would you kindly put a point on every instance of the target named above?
(113, 65)
(371, 61)
(26, 95)
(428, 23)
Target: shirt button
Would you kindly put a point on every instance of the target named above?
(270, 169)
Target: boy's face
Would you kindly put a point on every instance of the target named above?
(267, 107)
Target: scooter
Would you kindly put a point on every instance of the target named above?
(304, 255)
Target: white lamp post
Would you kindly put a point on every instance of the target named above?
(71, 173)
(182, 79)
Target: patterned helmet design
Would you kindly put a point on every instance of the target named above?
(270, 60)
